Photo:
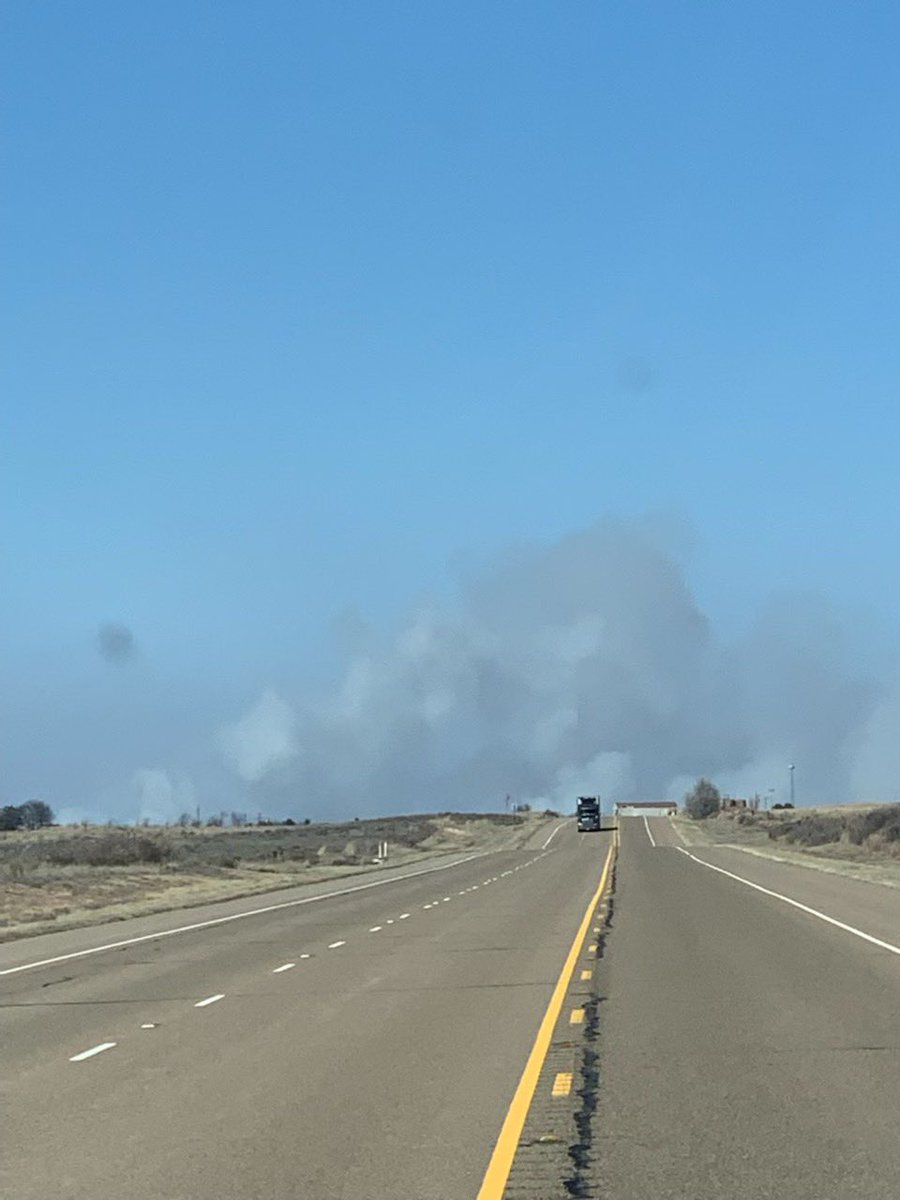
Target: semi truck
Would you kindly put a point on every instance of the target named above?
(588, 813)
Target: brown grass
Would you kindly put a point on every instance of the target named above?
(68, 877)
(860, 840)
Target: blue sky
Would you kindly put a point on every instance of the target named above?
(309, 307)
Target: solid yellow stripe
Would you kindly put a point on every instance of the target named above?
(562, 1084)
(507, 1143)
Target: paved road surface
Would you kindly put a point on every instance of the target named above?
(727, 1044)
(380, 1068)
(747, 1048)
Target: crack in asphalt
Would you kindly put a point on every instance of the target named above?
(580, 1151)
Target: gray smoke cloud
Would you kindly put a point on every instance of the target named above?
(261, 741)
(582, 666)
(161, 796)
(115, 643)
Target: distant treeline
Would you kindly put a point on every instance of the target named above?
(33, 814)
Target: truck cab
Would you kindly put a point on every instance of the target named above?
(588, 814)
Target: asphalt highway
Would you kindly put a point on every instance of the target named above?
(690, 1032)
(747, 1047)
(365, 1045)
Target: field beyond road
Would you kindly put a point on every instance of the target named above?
(861, 841)
(62, 878)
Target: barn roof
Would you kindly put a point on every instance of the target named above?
(646, 804)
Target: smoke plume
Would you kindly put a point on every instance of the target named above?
(584, 666)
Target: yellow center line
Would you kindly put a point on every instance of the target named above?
(504, 1152)
(576, 1017)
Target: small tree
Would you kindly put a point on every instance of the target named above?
(703, 800)
(10, 817)
(36, 814)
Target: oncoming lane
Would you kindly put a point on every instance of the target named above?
(419, 1030)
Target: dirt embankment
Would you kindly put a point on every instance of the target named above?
(861, 840)
(60, 878)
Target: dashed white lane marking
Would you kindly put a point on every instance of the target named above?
(283, 967)
(93, 1050)
(447, 899)
(404, 916)
(335, 945)
(813, 912)
(552, 835)
(304, 956)
(239, 916)
(210, 1000)
(389, 921)
(375, 929)
(148, 1025)
(649, 834)
(426, 906)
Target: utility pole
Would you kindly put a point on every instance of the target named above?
(791, 769)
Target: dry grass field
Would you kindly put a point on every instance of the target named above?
(862, 840)
(59, 878)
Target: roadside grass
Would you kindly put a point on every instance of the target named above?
(67, 877)
(859, 840)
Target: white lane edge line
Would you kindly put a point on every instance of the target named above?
(681, 836)
(813, 912)
(283, 967)
(210, 1000)
(252, 912)
(553, 835)
(649, 834)
(336, 945)
(93, 1050)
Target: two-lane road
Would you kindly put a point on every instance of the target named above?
(364, 1045)
(748, 1048)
